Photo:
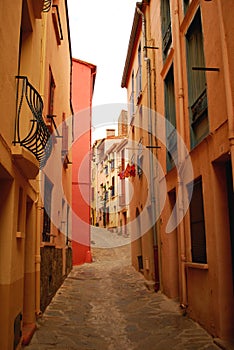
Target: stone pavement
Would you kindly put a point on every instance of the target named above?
(105, 305)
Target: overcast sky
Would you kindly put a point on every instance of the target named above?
(100, 32)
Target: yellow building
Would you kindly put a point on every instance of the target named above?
(184, 53)
(104, 181)
(35, 87)
(109, 193)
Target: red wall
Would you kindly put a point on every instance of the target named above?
(83, 77)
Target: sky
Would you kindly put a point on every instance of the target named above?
(100, 32)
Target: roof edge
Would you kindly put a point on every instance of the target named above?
(90, 65)
(132, 38)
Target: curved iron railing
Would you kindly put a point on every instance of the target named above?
(38, 139)
(47, 5)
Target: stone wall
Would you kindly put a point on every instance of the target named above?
(68, 260)
(51, 273)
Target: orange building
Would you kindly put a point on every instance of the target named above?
(179, 65)
(83, 80)
(35, 99)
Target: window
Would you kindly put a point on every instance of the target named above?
(68, 224)
(20, 210)
(132, 109)
(140, 122)
(106, 195)
(107, 216)
(196, 82)
(25, 32)
(64, 136)
(140, 158)
(166, 27)
(140, 165)
(112, 164)
(186, 5)
(57, 23)
(112, 186)
(197, 224)
(106, 169)
(51, 94)
(139, 74)
(48, 186)
(170, 115)
(122, 193)
(92, 193)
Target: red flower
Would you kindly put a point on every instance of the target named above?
(133, 170)
(121, 175)
(127, 171)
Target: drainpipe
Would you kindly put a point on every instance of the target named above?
(43, 55)
(152, 192)
(38, 202)
(38, 253)
(181, 154)
(227, 82)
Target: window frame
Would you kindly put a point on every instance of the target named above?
(48, 189)
(166, 27)
(113, 186)
(132, 97)
(139, 73)
(198, 239)
(51, 94)
(170, 119)
(197, 83)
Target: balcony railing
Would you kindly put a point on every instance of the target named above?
(199, 108)
(47, 5)
(30, 129)
(167, 39)
(139, 82)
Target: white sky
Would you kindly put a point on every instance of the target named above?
(100, 32)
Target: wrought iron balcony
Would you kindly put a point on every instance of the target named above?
(167, 39)
(47, 5)
(199, 108)
(30, 130)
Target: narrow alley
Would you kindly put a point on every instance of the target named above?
(106, 305)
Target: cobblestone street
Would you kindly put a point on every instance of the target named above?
(106, 305)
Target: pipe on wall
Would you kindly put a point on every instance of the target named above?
(38, 255)
(181, 155)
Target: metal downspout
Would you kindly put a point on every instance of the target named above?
(38, 201)
(152, 189)
(181, 154)
(38, 254)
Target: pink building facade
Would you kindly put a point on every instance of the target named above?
(83, 80)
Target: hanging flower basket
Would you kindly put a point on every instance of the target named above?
(121, 175)
(130, 171)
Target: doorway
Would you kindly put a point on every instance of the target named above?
(139, 242)
(29, 266)
(174, 253)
